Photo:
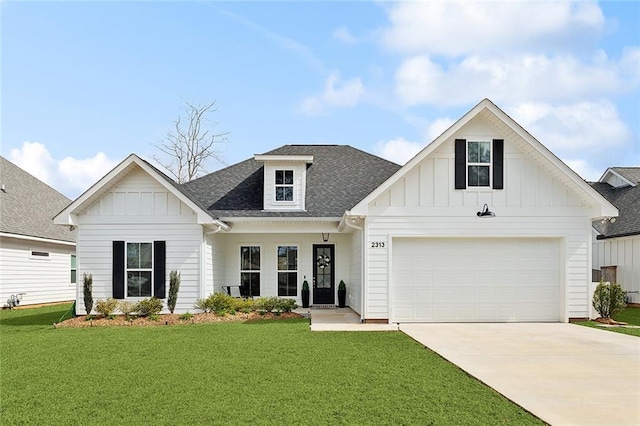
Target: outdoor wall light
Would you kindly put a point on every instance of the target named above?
(325, 237)
(485, 212)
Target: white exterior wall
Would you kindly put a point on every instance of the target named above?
(624, 253)
(299, 184)
(229, 257)
(139, 209)
(532, 204)
(43, 279)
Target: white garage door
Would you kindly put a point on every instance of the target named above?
(475, 280)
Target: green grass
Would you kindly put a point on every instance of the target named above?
(631, 315)
(231, 373)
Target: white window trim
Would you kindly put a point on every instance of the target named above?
(297, 270)
(486, 188)
(126, 270)
(72, 284)
(292, 185)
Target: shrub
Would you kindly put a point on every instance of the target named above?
(244, 305)
(148, 307)
(220, 303)
(88, 292)
(174, 286)
(106, 307)
(266, 304)
(127, 308)
(186, 316)
(286, 305)
(608, 299)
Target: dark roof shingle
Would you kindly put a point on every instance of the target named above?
(338, 179)
(627, 201)
(28, 205)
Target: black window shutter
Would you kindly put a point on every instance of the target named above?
(159, 268)
(461, 164)
(117, 273)
(498, 162)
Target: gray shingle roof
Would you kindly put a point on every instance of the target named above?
(338, 179)
(28, 205)
(627, 201)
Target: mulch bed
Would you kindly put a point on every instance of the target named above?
(170, 319)
(609, 321)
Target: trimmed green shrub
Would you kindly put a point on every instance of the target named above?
(186, 316)
(220, 303)
(608, 299)
(266, 304)
(127, 308)
(342, 286)
(106, 307)
(174, 286)
(148, 307)
(244, 305)
(88, 292)
(286, 305)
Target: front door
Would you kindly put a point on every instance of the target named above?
(323, 275)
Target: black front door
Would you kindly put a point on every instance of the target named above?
(323, 275)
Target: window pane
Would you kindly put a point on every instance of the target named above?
(280, 194)
(73, 276)
(245, 259)
(287, 284)
(288, 193)
(484, 152)
(472, 149)
(146, 249)
(73, 262)
(250, 282)
(288, 177)
(282, 258)
(139, 284)
(478, 175)
(255, 258)
(292, 257)
(133, 255)
(279, 177)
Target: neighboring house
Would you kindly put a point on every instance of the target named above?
(617, 243)
(37, 258)
(410, 242)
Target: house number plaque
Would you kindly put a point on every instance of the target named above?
(377, 244)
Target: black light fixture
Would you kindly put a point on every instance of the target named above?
(325, 237)
(486, 212)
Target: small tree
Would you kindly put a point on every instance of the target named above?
(191, 143)
(174, 286)
(88, 292)
(608, 299)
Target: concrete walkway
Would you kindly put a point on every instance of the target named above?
(340, 319)
(563, 373)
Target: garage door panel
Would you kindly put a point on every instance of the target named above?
(469, 280)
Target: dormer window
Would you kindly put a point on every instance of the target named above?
(284, 185)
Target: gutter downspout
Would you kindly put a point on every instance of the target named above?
(203, 259)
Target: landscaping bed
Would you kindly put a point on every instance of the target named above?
(170, 319)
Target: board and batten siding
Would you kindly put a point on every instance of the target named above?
(533, 203)
(139, 209)
(43, 279)
(624, 253)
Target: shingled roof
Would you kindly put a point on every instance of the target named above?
(28, 205)
(338, 179)
(626, 199)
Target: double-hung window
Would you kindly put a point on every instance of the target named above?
(479, 164)
(250, 270)
(139, 269)
(287, 270)
(284, 185)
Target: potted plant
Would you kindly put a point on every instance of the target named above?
(342, 294)
(305, 293)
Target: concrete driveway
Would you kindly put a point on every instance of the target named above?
(563, 373)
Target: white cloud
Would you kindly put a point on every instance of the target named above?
(515, 78)
(438, 126)
(588, 136)
(69, 176)
(344, 35)
(34, 158)
(398, 150)
(336, 93)
(453, 28)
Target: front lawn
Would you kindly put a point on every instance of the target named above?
(264, 372)
(630, 315)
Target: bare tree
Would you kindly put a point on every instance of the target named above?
(191, 143)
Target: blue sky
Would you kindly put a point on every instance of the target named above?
(84, 84)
